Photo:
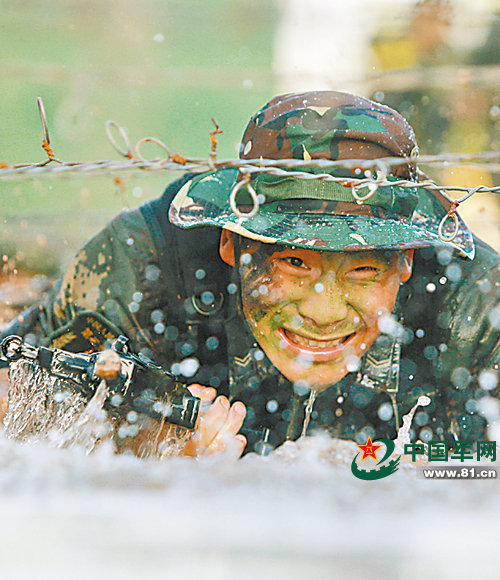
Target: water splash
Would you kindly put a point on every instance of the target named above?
(39, 403)
(91, 426)
(403, 437)
(46, 408)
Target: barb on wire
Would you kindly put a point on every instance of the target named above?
(452, 214)
(245, 182)
(372, 188)
(175, 157)
(372, 172)
(123, 134)
(214, 143)
(46, 139)
(121, 190)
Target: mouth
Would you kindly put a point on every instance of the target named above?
(314, 349)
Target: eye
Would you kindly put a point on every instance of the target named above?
(364, 273)
(294, 261)
(366, 269)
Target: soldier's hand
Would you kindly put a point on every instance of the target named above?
(218, 425)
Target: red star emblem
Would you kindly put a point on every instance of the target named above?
(369, 449)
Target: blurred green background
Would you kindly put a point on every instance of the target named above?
(158, 68)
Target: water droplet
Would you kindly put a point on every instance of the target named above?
(159, 328)
(232, 289)
(425, 434)
(352, 363)
(246, 259)
(189, 366)
(460, 377)
(488, 380)
(421, 418)
(471, 406)
(301, 387)
(116, 400)
(258, 354)
(212, 342)
(494, 317)
(385, 411)
(132, 416)
(207, 298)
(200, 274)
(157, 316)
(152, 273)
(453, 272)
(171, 333)
(444, 257)
(272, 406)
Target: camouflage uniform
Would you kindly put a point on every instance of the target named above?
(167, 289)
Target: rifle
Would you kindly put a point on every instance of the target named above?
(134, 382)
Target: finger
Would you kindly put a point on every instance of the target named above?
(241, 443)
(230, 428)
(232, 448)
(206, 394)
(212, 421)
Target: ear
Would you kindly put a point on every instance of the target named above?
(226, 247)
(407, 266)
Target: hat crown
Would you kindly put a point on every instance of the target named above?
(327, 125)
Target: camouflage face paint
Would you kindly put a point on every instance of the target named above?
(315, 314)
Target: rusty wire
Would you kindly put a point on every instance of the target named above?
(372, 173)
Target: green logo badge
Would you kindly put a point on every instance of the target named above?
(383, 468)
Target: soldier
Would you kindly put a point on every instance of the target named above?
(311, 309)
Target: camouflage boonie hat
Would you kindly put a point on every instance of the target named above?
(317, 214)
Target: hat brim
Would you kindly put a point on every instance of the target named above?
(204, 201)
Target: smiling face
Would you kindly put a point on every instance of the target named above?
(315, 314)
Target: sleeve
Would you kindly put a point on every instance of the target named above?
(470, 370)
(109, 289)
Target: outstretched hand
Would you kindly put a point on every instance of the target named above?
(218, 425)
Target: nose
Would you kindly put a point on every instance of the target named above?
(325, 302)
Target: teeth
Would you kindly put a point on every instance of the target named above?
(302, 341)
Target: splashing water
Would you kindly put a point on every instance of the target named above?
(403, 437)
(90, 427)
(44, 407)
(39, 402)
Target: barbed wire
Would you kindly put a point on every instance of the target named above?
(372, 172)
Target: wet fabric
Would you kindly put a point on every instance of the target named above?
(324, 125)
(168, 290)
